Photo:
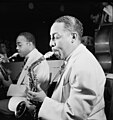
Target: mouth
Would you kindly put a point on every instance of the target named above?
(19, 54)
(57, 53)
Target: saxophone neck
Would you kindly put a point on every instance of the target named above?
(37, 62)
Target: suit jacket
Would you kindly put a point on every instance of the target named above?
(79, 92)
(42, 75)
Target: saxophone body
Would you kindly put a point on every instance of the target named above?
(32, 76)
(33, 82)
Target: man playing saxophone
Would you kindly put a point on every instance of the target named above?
(25, 43)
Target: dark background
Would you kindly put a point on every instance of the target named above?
(37, 16)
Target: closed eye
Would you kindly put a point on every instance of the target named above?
(56, 36)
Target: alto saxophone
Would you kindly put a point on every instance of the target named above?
(33, 84)
(32, 76)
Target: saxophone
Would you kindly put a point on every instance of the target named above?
(32, 76)
(32, 86)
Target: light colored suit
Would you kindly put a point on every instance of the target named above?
(79, 93)
(42, 75)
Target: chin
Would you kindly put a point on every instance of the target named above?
(21, 55)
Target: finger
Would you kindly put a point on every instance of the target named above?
(39, 88)
(30, 95)
(30, 92)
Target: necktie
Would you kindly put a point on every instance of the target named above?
(60, 72)
(56, 79)
(25, 60)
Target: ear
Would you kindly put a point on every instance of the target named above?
(30, 43)
(74, 35)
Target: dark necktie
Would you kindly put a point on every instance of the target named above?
(60, 72)
(56, 79)
(25, 60)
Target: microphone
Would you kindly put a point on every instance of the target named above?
(14, 55)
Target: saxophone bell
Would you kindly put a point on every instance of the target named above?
(20, 110)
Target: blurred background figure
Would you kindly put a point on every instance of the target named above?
(5, 79)
(3, 52)
(108, 9)
(6, 55)
(88, 41)
(102, 14)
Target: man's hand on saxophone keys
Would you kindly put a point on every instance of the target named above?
(38, 96)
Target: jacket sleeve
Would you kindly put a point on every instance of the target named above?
(42, 74)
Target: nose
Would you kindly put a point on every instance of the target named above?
(52, 43)
(16, 47)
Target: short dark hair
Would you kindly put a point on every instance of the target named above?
(71, 24)
(30, 37)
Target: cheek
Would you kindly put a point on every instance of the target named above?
(22, 52)
(59, 44)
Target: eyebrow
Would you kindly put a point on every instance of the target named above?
(56, 34)
(18, 42)
(53, 34)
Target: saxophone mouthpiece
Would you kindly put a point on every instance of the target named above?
(14, 55)
(48, 54)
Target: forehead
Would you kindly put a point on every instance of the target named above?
(57, 28)
(21, 39)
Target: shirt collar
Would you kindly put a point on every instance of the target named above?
(29, 54)
(75, 51)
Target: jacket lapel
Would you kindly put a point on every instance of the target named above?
(57, 95)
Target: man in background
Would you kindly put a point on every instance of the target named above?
(25, 43)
